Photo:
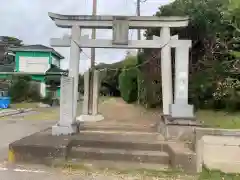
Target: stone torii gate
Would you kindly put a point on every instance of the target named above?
(179, 108)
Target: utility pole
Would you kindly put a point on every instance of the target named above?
(139, 14)
(94, 13)
(93, 56)
(138, 11)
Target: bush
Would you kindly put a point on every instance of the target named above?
(142, 90)
(109, 80)
(22, 90)
(34, 92)
(128, 85)
(18, 90)
(48, 99)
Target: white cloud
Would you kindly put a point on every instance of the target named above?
(29, 21)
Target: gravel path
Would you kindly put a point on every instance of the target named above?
(43, 173)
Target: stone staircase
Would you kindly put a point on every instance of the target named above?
(112, 148)
(146, 150)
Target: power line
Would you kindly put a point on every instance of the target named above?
(93, 53)
(139, 65)
(86, 55)
(81, 49)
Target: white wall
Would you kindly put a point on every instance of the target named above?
(55, 61)
(221, 153)
(43, 89)
(33, 64)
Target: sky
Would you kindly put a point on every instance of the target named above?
(28, 20)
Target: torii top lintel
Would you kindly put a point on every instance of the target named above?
(106, 21)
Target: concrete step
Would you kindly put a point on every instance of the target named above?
(140, 156)
(112, 165)
(114, 127)
(128, 141)
(121, 135)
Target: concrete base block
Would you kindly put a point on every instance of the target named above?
(90, 118)
(182, 111)
(178, 129)
(58, 130)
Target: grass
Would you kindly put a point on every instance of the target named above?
(24, 105)
(154, 174)
(43, 114)
(217, 175)
(77, 167)
(219, 119)
(39, 114)
(158, 174)
(167, 174)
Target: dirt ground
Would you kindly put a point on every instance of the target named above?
(116, 112)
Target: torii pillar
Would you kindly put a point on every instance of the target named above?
(67, 123)
(166, 69)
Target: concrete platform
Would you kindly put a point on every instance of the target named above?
(178, 128)
(90, 118)
(128, 147)
(39, 147)
(129, 127)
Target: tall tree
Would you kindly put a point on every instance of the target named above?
(214, 29)
(5, 43)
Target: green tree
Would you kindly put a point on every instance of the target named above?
(21, 89)
(214, 30)
(13, 41)
(110, 74)
(128, 84)
(5, 43)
